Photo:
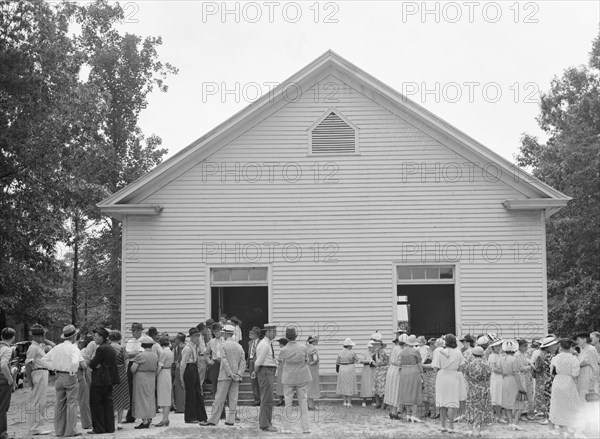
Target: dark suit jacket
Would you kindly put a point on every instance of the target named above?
(107, 374)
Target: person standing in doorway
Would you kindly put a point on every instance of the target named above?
(133, 347)
(264, 371)
(66, 358)
(254, 340)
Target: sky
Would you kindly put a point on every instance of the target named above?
(479, 65)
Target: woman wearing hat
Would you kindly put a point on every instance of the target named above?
(312, 352)
(448, 363)
(543, 376)
(279, 374)
(346, 380)
(411, 383)
(526, 379)
(429, 377)
(588, 361)
(565, 403)
(511, 383)
(392, 379)
(164, 384)
(496, 379)
(367, 378)
(382, 361)
(144, 383)
(479, 405)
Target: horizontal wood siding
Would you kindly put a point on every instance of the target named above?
(373, 215)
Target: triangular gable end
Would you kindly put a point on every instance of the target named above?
(123, 202)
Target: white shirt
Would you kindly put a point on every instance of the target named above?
(134, 345)
(89, 351)
(237, 334)
(64, 357)
(264, 353)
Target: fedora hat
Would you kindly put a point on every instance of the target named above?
(348, 342)
(136, 325)
(312, 339)
(228, 329)
(102, 332)
(255, 330)
(37, 329)
(193, 331)
(290, 332)
(68, 332)
(235, 319)
(147, 340)
(412, 340)
(548, 341)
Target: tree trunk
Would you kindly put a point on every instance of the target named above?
(75, 269)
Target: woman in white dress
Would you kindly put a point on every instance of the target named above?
(564, 400)
(164, 385)
(367, 378)
(588, 362)
(346, 380)
(448, 364)
(496, 379)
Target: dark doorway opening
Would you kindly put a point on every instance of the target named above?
(249, 303)
(430, 308)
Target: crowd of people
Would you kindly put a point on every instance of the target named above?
(479, 380)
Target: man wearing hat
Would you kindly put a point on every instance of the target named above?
(213, 355)
(7, 379)
(66, 358)
(296, 376)
(37, 374)
(132, 347)
(264, 371)
(252, 344)
(104, 375)
(231, 372)
(194, 402)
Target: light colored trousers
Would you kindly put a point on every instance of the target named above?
(36, 408)
(225, 389)
(85, 381)
(65, 416)
(202, 366)
(290, 415)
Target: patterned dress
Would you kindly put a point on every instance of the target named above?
(381, 367)
(479, 405)
(346, 380)
(314, 391)
(429, 379)
(526, 380)
(565, 403)
(121, 390)
(144, 385)
(392, 378)
(543, 382)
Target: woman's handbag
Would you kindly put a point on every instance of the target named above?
(522, 396)
(337, 368)
(592, 397)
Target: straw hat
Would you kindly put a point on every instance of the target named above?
(376, 336)
(477, 351)
(510, 346)
(412, 340)
(229, 329)
(403, 338)
(348, 342)
(482, 340)
(496, 343)
(68, 332)
(548, 341)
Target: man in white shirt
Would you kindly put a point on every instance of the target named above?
(65, 358)
(37, 373)
(264, 371)
(132, 347)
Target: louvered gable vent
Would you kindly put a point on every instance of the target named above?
(333, 136)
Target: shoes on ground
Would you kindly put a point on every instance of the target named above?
(269, 429)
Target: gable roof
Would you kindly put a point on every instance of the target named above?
(124, 201)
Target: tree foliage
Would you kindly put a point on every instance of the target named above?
(66, 142)
(570, 162)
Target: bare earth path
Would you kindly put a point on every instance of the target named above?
(331, 422)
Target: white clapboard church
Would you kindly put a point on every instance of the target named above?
(336, 205)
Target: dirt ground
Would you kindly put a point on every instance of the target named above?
(331, 421)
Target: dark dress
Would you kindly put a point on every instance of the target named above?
(479, 404)
(121, 390)
(104, 375)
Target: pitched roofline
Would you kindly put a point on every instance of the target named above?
(382, 88)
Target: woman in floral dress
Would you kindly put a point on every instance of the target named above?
(565, 403)
(544, 377)
(477, 373)
(429, 377)
(526, 379)
(381, 360)
(392, 378)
